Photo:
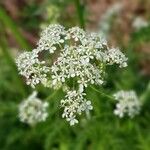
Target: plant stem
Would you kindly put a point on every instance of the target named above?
(103, 94)
(52, 95)
(146, 94)
(80, 11)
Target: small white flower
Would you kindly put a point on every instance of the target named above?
(32, 110)
(72, 121)
(128, 103)
(75, 33)
(81, 88)
(86, 106)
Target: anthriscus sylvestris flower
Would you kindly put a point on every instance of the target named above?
(79, 59)
(74, 103)
(34, 70)
(32, 110)
(128, 104)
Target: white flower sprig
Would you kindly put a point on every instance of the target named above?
(80, 60)
(74, 103)
(128, 104)
(34, 70)
(32, 110)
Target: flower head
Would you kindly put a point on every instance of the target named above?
(33, 110)
(34, 70)
(74, 104)
(80, 60)
(128, 103)
(51, 37)
(115, 56)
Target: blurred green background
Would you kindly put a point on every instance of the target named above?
(21, 22)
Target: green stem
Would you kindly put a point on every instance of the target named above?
(103, 94)
(80, 11)
(52, 95)
(146, 94)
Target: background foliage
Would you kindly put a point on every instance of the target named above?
(20, 25)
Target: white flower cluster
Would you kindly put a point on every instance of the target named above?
(139, 23)
(51, 37)
(128, 103)
(74, 62)
(74, 103)
(33, 110)
(80, 57)
(32, 68)
(115, 56)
